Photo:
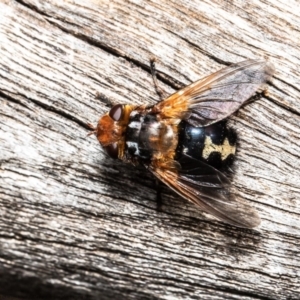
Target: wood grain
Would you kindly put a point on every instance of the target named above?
(75, 224)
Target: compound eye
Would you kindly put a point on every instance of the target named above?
(112, 150)
(116, 112)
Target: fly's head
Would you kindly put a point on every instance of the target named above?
(111, 129)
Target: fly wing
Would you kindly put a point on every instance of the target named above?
(209, 190)
(217, 96)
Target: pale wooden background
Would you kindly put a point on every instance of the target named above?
(77, 225)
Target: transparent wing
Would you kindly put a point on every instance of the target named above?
(208, 189)
(217, 96)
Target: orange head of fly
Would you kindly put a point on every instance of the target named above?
(111, 129)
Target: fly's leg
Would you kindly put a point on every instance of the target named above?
(161, 94)
(108, 102)
(158, 196)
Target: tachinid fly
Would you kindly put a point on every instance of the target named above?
(184, 140)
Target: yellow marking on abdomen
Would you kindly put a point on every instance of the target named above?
(225, 149)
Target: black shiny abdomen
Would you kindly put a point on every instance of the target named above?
(193, 142)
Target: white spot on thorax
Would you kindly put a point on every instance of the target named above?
(133, 113)
(133, 145)
(135, 124)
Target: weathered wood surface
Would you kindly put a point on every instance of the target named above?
(75, 224)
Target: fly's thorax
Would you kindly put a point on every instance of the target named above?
(148, 137)
(215, 144)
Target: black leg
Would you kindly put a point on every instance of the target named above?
(159, 91)
(256, 96)
(104, 99)
(158, 196)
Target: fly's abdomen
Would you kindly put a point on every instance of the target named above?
(214, 144)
